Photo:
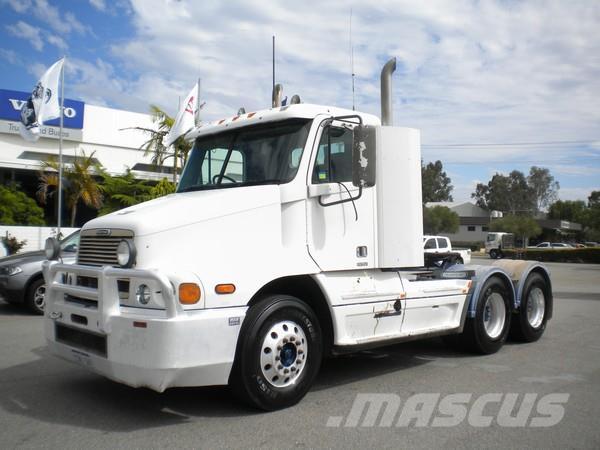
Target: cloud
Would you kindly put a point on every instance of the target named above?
(100, 5)
(9, 55)
(48, 14)
(577, 193)
(28, 32)
(57, 41)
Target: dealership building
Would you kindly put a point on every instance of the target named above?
(105, 131)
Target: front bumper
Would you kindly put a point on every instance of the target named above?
(13, 287)
(135, 346)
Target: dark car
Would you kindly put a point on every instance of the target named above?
(21, 279)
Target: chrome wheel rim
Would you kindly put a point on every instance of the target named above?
(536, 306)
(494, 315)
(283, 353)
(39, 297)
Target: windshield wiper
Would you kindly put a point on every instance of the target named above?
(206, 187)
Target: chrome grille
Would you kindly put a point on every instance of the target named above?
(98, 247)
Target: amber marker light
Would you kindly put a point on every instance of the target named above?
(225, 288)
(467, 288)
(189, 293)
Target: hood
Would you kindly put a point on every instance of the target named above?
(183, 209)
(23, 258)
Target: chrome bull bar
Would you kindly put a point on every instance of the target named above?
(107, 293)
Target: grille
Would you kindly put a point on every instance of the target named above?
(99, 247)
(84, 340)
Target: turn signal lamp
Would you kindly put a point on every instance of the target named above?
(225, 288)
(189, 293)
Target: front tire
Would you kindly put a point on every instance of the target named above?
(35, 298)
(493, 253)
(486, 333)
(279, 353)
(530, 323)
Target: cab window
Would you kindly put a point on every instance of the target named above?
(442, 243)
(430, 244)
(334, 156)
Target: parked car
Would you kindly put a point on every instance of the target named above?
(21, 280)
(441, 244)
(552, 245)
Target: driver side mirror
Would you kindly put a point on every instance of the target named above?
(363, 156)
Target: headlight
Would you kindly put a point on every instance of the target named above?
(142, 294)
(126, 254)
(52, 248)
(10, 270)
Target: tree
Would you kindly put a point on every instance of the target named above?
(543, 188)
(79, 183)
(521, 226)
(436, 185)
(154, 145)
(509, 193)
(122, 191)
(571, 210)
(16, 208)
(163, 187)
(594, 199)
(440, 219)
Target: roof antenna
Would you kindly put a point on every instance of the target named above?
(352, 60)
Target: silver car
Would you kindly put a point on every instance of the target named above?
(21, 280)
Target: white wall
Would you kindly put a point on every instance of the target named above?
(35, 236)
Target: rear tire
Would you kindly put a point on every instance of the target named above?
(486, 333)
(279, 353)
(529, 325)
(35, 296)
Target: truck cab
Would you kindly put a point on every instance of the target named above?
(295, 233)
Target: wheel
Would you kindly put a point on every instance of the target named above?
(279, 353)
(488, 330)
(530, 323)
(35, 297)
(493, 253)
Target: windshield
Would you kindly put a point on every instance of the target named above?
(70, 243)
(265, 154)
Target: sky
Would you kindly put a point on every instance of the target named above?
(492, 85)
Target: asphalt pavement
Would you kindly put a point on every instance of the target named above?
(48, 403)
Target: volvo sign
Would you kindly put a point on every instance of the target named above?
(12, 101)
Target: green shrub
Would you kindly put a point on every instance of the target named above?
(12, 244)
(572, 255)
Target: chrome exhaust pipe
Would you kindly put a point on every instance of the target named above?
(387, 115)
(277, 91)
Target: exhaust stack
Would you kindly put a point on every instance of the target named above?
(277, 91)
(387, 114)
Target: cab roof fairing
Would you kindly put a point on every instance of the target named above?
(297, 111)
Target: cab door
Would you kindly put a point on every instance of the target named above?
(340, 217)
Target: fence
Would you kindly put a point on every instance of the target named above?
(35, 236)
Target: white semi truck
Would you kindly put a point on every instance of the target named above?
(295, 234)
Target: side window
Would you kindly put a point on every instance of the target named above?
(430, 244)
(442, 243)
(334, 157)
(213, 165)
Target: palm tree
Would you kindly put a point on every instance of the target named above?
(154, 145)
(121, 191)
(79, 182)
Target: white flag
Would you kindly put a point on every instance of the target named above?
(45, 94)
(184, 121)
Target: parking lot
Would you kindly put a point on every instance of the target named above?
(45, 402)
